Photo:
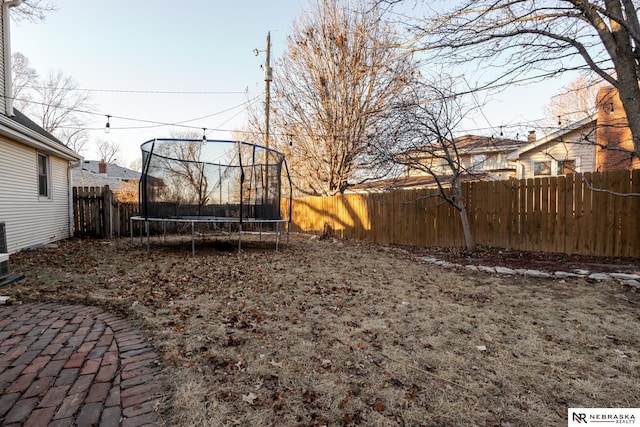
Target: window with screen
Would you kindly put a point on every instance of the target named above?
(43, 175)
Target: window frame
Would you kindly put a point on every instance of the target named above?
(534, 170)
(560, 166)
(44, 177)
(478, 161)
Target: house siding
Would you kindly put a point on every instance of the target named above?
(572, 147)
(30, 219)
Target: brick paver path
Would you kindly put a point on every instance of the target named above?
(64, 365)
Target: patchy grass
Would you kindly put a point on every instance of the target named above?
(343, 333)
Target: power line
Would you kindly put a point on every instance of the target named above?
(140, 91)
(152, 123)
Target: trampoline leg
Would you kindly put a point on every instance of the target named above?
(239, 237)
(131, 230)
(193, 240)
(277, 234)
(146, 226)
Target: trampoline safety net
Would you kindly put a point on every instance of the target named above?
(221, 179)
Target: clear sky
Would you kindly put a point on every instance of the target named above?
(132, 54)
(159, 46)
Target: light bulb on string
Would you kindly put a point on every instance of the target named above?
(107, 127)
(204, 135)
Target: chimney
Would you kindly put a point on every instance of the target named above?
(102, 167)
(532, 136)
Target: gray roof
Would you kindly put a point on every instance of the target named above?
(19, 117)
(113, 170)
(84, 178)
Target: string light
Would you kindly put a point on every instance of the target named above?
(107, 127)
(204, 135)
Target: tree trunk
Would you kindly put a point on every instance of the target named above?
(466, 229)
(464, 217)
(624, 61)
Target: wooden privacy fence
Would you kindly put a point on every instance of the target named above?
(97, 213)
(572, 214)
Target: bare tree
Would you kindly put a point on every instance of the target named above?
(332, 89)
(57, 102)
(25, 78)
(60, 103)
(33, 10)
(516, 38)
(186, 180)
(427, 126)
(576, 102)
(108, 150)
(76, 139)
(135, 164)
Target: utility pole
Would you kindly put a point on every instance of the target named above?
(268, 76)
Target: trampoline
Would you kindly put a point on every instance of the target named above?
(212, 181)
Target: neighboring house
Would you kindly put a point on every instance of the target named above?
(406, 183)
(571, 149)
(35, 170)
(598, 143)
(478, 154)
(94, 173)
(122, 181)
(482, 158)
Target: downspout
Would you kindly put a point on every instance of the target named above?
(8, 81)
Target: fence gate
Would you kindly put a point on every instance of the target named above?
(92, 211)
(97, 213)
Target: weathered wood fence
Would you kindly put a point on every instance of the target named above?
(572, 214)
(97, 213)
(589, 214)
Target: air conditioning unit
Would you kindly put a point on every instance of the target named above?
(4, 256)
(6, 277)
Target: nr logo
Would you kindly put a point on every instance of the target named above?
(579, 418)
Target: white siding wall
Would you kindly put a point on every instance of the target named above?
(572, 147)
(30, 219)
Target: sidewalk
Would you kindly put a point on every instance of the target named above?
(66, 365)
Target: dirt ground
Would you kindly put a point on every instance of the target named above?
(333, 333)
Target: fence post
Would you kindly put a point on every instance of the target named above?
(107, 198)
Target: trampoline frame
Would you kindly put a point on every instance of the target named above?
(193, 220)
(208, 220)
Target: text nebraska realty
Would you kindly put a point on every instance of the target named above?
(604, 418)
